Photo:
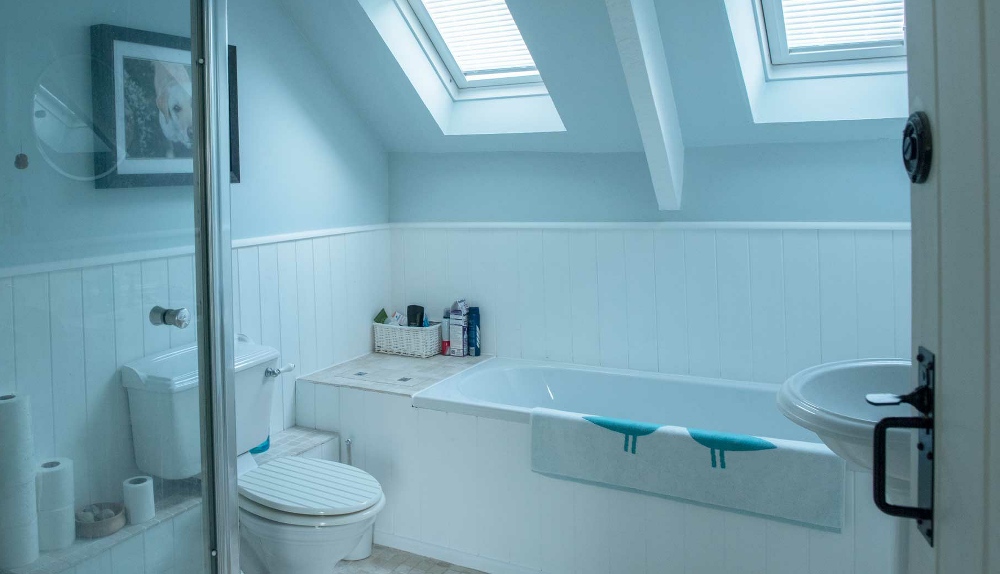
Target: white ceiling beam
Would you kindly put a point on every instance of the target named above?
(637, 34)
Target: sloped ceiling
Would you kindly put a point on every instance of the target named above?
(579, 64)
(708, 85)
(574, 48)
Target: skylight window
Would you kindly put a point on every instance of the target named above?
(478, 41)
(803, 31)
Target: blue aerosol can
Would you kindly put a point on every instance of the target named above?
(475, 339)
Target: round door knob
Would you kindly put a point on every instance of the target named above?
(917, 147)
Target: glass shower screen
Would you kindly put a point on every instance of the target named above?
(101, 440)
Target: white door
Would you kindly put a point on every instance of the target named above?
(954, 70)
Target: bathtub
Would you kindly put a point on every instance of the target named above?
(459, 486)
(508, 389)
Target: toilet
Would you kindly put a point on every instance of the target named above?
(297, 515)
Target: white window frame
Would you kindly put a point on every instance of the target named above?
(775, 46)
(457, 76)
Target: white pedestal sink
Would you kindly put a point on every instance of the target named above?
(830, 401)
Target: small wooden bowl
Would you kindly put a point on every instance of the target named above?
(105, 527)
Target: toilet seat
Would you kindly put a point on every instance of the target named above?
(309, 492)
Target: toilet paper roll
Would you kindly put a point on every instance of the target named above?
(17, 451)
(139, 504)
(56, 528)
(54, 484)
(17, 504)
(18, 544)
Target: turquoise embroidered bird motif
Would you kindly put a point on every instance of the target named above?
(631, 429)
(720, 441)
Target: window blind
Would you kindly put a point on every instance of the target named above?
(482, 38)
(831, 24)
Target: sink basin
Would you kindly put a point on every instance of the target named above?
(830, 401)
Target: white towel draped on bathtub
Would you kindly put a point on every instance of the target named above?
(798, 481)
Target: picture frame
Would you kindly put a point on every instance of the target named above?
(142, 108)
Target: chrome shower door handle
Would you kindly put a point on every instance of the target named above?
(179, 318)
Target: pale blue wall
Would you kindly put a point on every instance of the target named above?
(857, 181)
(308, 160)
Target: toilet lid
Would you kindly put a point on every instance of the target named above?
(310, 486)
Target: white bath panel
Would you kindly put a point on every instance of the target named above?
(663, 522)
(405, 502)
(626, 532)
(703, 553)
(379, 441)
(745, 546)
(558, 517)
(524, 499)
(495, 515)
(592, 530)
(464, 491)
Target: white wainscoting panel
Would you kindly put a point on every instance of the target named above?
(65, 333)
(747, 303)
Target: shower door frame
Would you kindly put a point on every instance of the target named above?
(213, 276)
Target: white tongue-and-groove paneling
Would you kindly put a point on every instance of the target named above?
(65, 333)
(752, 302)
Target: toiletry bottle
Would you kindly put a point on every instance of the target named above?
(445, 337)
(475, 343)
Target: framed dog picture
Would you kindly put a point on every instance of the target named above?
(142, 108)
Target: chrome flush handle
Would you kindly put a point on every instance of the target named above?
(272, 372)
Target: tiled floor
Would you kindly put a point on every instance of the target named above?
(391, 561)
(392, 373)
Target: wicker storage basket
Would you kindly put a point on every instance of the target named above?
(408, 341)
